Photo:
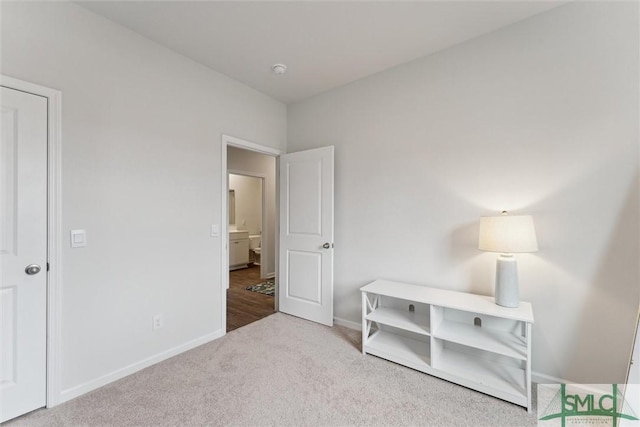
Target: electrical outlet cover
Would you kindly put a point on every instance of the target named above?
(158, 322)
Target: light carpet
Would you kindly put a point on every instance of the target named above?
(285, 371)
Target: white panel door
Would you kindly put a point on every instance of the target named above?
(23, 242)
(306, 235)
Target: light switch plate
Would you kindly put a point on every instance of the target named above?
(215, 230)
(78, 238)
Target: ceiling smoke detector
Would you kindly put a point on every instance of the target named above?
(279, 69)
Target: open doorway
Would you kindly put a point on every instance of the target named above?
(302, 231)
(251, 213)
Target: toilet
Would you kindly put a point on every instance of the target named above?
(254, 248)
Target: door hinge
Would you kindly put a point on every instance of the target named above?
(47, 266)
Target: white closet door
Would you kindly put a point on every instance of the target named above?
(23, 253)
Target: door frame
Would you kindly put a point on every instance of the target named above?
(54, 231)
(228, 140)
(263, 213)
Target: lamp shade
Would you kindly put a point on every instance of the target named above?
(507, 234)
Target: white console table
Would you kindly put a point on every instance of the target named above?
(463, 338)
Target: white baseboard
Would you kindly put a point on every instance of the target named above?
(347, 323)
(539, 378)
(271, 275)
(81, 389)
(600, 389)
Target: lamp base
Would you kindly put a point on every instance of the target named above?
(507, 294)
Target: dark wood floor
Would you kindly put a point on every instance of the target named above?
(243, 306)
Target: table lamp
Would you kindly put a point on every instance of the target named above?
(507, 235)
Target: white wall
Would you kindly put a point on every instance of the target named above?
(262, 165)
(248, 200)
(538, 118)
(141, 173)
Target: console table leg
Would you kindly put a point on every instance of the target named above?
(364, 321)
(528, 367)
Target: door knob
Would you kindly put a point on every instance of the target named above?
(326, 245)
(32, 269)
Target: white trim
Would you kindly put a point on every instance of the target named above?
(54, 221)
(357, 326)
(276, 274)
(81, 389)
(252, 146)
(245, 173)
(228, 140)
(538, 378)
(224, 234)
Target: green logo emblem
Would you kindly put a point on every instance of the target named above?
(566, 405)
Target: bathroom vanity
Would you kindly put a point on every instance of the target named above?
(238, 249)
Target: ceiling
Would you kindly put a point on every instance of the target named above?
(324, 44)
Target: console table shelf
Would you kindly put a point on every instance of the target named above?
(504, 343)
(407, 351)
(456, 336)
(400, 319)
